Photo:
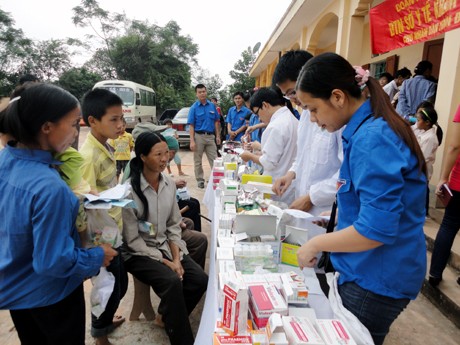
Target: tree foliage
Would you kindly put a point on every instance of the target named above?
(14, 47)
(160, 57)
(78, 81)
(241, 70)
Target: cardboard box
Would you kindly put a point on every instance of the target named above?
(294, 292)
(259, 337)
(259, 322)
(226, 266)
(266, 300)
(300, 331)
(295, 238)
(235, 308)
(275, 330)
(334, 332)
(229, 187)
(224, 253)
(220, 339)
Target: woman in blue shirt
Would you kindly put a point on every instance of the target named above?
(379, 247)
(42, 266)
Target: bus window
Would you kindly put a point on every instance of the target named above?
(125, 93)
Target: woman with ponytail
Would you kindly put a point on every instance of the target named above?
(379, 246)
(153, 249)
(42, 264)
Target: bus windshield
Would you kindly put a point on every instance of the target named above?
(125, 93)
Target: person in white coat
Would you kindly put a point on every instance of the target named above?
(319, 153)
(279, 140)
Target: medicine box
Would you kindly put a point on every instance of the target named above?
(300, 331)
(266, 300)
(220, 339)
(334, 332)
(295, 238)
(235, 308)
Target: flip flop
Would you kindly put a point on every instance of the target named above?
(118, 320)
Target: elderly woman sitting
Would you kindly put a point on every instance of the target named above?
(153, 249)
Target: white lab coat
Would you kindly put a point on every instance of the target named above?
(317, 164)
(279, 148)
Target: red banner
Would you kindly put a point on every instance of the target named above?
(399, 23)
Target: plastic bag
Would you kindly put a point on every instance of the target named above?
(102, 228)
(102, 289)
(358, 331)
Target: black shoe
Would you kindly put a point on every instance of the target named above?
(201, 184)
(434, 282)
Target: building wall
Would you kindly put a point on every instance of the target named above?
(352, 40)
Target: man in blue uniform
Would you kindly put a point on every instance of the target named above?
(236, 117)
(203, 119)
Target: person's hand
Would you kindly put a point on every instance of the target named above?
(109, 254)
(302, 203)
(192, 145)
(176, 266)
(245, 156)
(250, 129)
(180, 183)
(306, 255)
(282, 184)
(232, 135)
(255, 146)
(183, 226)
(94, 192)
(218, 142)
(438, 187)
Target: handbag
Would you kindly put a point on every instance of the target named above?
(325, 259)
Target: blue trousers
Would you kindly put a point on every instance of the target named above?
(445, 237)
(376, 312)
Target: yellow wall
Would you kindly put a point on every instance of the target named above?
(353, 42)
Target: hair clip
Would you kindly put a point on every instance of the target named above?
(15, 99)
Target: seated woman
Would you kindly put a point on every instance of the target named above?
(153, 249)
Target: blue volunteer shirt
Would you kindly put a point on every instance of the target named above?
(40, 259)
(382, 195)
(203, 116)
(257, 134)
(237, 118)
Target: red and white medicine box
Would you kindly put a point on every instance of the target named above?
(266, 300)
(334, 332)
(235, 308)
(300, 331)
(220, 339)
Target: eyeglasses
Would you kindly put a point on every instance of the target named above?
(290, 94)
(257, 112)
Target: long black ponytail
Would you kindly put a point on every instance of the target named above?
(144, 143)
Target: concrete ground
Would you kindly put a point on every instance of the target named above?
(420, 323)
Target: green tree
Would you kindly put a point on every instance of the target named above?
(213, 82)
(49, 59)
(241, 70)
(78, 81)
(160, 57)
(14, 47)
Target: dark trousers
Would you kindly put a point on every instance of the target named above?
(376, 312)
(62, 323)
(445, 238)
(194, 211)
(104, 324)
(178, 298)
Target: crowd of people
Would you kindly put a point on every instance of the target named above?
(361, 144)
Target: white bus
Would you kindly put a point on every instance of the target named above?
(139, 101)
